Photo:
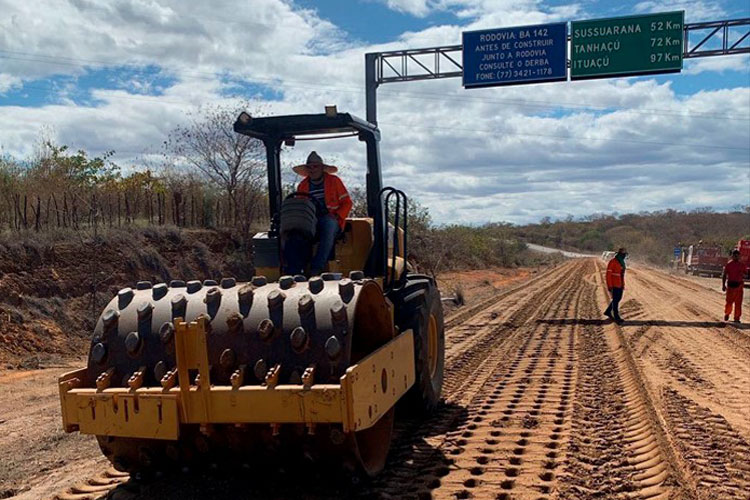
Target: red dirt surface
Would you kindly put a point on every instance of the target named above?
(52, 292)
(52, 459)
(543, 398)
(479, 284)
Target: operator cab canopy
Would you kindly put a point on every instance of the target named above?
(288, 127)
(272, 131)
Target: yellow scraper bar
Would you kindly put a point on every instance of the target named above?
(365, 393)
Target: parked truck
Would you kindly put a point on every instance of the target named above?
(705, 259)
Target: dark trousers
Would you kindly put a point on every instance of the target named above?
(614, 306)
(298, 250)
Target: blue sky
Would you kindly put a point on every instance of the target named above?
(85, 71)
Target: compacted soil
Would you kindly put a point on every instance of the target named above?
(543, 399)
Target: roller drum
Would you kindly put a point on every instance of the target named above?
(328, 324)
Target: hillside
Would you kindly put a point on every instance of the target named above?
(649, 236)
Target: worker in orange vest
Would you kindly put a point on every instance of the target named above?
(333, 204)
(616, 284)
(732, 282)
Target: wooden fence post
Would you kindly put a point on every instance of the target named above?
(25, 212)
(37, 213)
(65, 209)
(57, 210)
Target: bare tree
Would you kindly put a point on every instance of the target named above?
(235, 163)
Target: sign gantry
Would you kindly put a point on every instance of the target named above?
(599, 48)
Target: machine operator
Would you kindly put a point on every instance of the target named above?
(333, 204)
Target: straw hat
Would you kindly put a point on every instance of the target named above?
(314, 159)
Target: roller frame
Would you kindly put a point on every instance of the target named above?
(365, 393)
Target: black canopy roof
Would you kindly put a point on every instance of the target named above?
(290, 126)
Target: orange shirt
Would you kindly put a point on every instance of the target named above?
(614, 274)
(735, 270)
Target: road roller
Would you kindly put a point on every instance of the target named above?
(199, 372)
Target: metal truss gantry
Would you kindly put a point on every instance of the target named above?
(732, 37)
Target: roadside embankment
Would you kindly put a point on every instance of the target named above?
(53, 286)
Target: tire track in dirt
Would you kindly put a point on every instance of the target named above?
(701, 372)
(511, 441)
(715, 453)
(461, 365)
(677, 297)
(704, 362)
(615, 447)
(507, 447)
(487, 304)
(95, 487)
(687, 372)
(503, 309)
(469, 352)
(706, 303)
(419, 462)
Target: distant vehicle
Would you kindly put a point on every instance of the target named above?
(607, 255)
(744, 248)
(705, 259)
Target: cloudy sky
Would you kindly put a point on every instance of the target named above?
(120, 74)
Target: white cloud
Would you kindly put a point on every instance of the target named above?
(509, 12)
(495, 13)
(419, 8)
(695, 10)
(512, 153)
(180, 36)
(8, 82)
(738, 62)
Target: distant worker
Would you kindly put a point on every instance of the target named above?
(616, 284)
(332, 203)
(732, 282)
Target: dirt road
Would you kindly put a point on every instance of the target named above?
(543, 399)
(38, 458)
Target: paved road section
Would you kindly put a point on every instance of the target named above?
(565, 253)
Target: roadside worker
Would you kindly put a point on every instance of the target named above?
(616, 284)
(732, 282)
(332, 203)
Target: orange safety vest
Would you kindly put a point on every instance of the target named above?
(614, 274)
(337, 197)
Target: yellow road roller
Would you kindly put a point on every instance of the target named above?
(194, 372)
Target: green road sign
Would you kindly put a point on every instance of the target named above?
(626, 46)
